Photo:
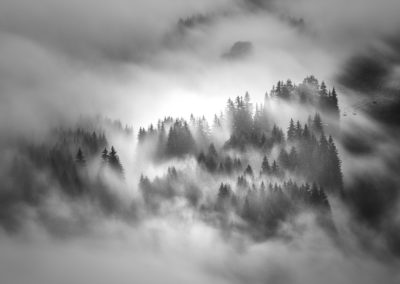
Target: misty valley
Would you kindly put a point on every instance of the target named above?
(243, 173)
(267, 175)
(212, 141)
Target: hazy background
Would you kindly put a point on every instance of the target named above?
(131, 60)
(135, 61)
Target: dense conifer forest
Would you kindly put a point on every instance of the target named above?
(187, 141)
(248, 173)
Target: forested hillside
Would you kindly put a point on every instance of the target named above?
(247, 172)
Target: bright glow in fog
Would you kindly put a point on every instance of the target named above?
(130, 60)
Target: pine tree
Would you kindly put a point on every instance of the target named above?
(277, 135)
(275, 169)
(114, 162)
(314, 194)
(249, 171)
(262, 187)
(317, 123)
(247, 101)
(172, 173)
(311, 81)
(104, 155)
(224, 191)
(265, 168)
(180, 140)
(237, 164)
(334, 106)
(283, 159)
(293, 159)
(217, 125)
(299, 130)
(323, 199)
(334, 167)
(201, 158)
(212, 151)
(80, 159)
(289, 84)
(322, 161)
(211, 163)
(334, 99)
(161, 141)
(247, 212)
(291, 133)
(278, 88)
(141, 135)
(221, 168)
(323, 91)
(228, 165)
(306, 133)
(192, 120)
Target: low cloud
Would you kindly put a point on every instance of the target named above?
(139, 62)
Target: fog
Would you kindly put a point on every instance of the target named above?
(181, 250)
(92, 57)
(62, 62)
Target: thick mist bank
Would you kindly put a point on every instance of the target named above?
(289, 181)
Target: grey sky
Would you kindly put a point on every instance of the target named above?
(130, 60)
(64, 58)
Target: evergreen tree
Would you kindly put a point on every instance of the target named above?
(228, 165)
(334, 167)
(278, 88)
(221, 168)
(299, 130)
(265, 168)
(212, 151)
(283, 159)
(277, 135)
(247, 213)
(323, 91)
(201, 158)
(180, 140)
(289, 84)
(323, 199)
(314, 195)
(237, 164)
(323, 161)
(114, 162)
(217, 124)
(211, 163)
(311, 81)
(317, 123)
(275, 169)
(334, 106)
(141, 135)
(306, 133)
(80, 159)
(161, 141)
(224, 191)
(293, 159)
(291, 133)
(249, 171)
(104, 155)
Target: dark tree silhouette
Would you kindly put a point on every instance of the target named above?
(283, 159)
(291, 132)
(80, 159)
(104, 155)
(180, 140)
(114, 162)
(265, 168)
(248, 171)
(317, 123)
(275, 169)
